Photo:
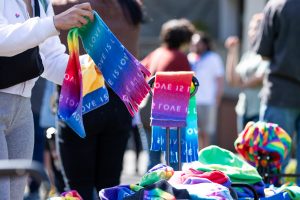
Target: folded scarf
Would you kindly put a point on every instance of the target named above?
(170, 99)
(83, 87)
(216, 158)
(156, 173)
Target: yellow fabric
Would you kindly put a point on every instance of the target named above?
(92, 78)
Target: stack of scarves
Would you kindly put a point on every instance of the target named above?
(172, 107)
(260, 139)
(111, 62)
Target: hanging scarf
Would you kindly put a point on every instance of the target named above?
(121, 70)
(189, 138)
(170, 99)
(189, 133)
(262, 138)
(82, 90)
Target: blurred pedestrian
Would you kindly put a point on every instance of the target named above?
(246, 74)
(209, 70)
(279, 43)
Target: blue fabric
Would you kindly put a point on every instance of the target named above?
(289, 120)
(116, 193)
(47, 118)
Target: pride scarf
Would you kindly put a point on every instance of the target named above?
(189, 138)
(170, 82)
(170, 99)
(83, 88)
(121, 70)
(262, 138)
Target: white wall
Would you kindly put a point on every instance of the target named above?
(250, 7)
(228, 18)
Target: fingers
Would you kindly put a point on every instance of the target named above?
(231, 42)
(77, 16)
(84, 6)
(86, 13)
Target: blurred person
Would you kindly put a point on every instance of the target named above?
(96, 162)
(246, 74)
(278, 41)
(47, 122)
(30, 47)
(209, 70)
(170, 56)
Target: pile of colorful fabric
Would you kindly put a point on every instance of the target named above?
(71, 195)
(210, 177)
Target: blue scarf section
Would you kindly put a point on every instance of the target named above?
(189, 138)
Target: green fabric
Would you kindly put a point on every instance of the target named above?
(153, 177)
(293, 191)
(216, 158)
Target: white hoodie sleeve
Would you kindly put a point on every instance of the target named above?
(55, 59)
(16, 38)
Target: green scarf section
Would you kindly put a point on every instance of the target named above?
(216, 158)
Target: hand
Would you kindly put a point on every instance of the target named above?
(232, 42)
(74, 17)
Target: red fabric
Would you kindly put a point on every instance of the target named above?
(214, 176)
(165, 59)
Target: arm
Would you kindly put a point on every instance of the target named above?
(55, 59)
(253, 82)
(36, 30)
(232, 44)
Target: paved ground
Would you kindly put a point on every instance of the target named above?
(129, 175)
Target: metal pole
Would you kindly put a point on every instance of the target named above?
(168, 146)
(179, 148)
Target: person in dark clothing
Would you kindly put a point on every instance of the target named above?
(279, 42)
(96, 162)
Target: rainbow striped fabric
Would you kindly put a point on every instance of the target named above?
(261, 139)
(83, 87)
(120, 69)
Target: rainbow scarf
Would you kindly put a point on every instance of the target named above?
(189, 138)
(261, 139)
(170, 99)
(121, 71)
(83, 88)
(189, 133)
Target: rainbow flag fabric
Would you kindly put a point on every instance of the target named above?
(170, 100)
(262, 138)
(120, 69)
(172, 90)
(83, 87)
